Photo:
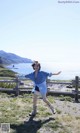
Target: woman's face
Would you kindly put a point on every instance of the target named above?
(36, 67)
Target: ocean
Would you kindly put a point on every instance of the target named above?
(68, 71)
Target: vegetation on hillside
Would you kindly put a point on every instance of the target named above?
(4, 72)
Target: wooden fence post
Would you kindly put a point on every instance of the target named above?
(17, 86)
(76, 88)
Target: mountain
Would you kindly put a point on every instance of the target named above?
(10, 58)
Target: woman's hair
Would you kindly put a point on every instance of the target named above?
(36, 62)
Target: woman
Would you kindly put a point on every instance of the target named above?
(39, 79)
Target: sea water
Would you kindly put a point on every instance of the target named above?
(68, 71)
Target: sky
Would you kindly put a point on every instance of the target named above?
(44, 30)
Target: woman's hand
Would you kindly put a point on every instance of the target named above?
(58, 72)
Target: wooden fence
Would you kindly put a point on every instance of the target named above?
(17, 90)
(73, 84)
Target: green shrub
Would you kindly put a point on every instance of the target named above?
(7, 85)
(65, 98)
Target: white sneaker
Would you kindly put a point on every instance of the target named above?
(53, 110)
(32, 113)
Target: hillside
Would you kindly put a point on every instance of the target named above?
(4, 72)
(10, 58)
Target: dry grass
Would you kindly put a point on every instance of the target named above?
(15, 110)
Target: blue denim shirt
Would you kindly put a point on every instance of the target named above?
(41, 77)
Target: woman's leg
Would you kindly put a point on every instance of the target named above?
(49, 104)
(34, 104)
(34, 100)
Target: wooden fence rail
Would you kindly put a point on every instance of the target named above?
(75, 83)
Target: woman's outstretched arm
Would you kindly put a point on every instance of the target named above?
(56, 73)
